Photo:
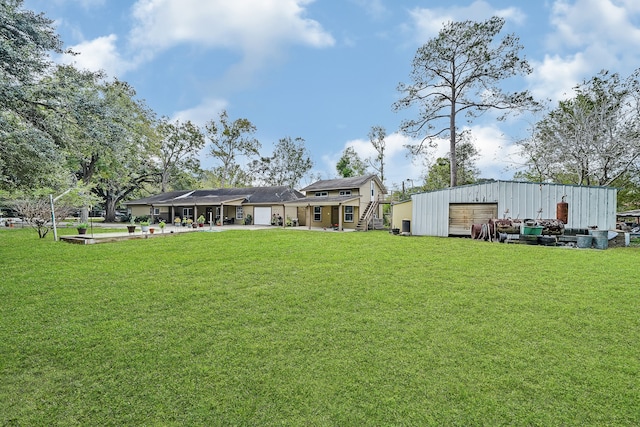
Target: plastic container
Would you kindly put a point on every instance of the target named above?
(532, 230)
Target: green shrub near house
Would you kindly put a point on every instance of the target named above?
(316, 328)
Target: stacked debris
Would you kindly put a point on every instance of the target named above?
(500, 229)
(506, 225)
(551, 227)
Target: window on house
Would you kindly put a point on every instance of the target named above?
(321, 194)
(239, 212)
(187, 213)
(348, 214)
(156, 211)
(317, 213)
(345, 193)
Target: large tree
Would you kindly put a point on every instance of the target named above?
(350, 164)
(456, 73)
(229, 140)
(377, 134)
(126, 161)
(180, 143)
(106, 134)
(28, 155)
(288, 164)
(590, 139)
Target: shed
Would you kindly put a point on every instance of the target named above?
(451, 211)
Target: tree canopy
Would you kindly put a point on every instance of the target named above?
(288, 164)
(28, 156)
(350, 164)
(178, 149)
(229, 140)
(440, 171)
(377, 134)
(590, 139)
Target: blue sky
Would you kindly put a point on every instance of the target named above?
(327, 70)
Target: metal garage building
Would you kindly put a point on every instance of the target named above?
(451, 211)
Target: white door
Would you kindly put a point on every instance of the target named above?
(262, 215)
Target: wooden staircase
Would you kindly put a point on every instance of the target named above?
(367, 216)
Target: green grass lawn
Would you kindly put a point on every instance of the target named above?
(293, 328)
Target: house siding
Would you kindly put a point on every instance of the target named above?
(400, 212)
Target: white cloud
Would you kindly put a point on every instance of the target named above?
(496, 153)
(589, 36)
(398, 167)
(428, 22)
(375, 8)
(497, 156)
(99, 54)
(256, 27)
(86, 4)
(555, 77)
(587, 22)
(207, 110)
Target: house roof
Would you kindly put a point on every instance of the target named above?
(343, 183)
(249, 195)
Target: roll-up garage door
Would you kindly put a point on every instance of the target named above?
(462, 216)
(262, 215)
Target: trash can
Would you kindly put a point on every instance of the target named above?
(600, 239)
(406, 226)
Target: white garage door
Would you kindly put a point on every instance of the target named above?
(262, 216)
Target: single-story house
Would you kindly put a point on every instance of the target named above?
(230, 205)
(452, 211)
(351, 203)
(344, 203)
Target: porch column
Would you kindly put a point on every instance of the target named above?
(284, 218)
(340, 216)
(221, 214)
(307, 213)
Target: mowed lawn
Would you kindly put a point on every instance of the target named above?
(300, 328)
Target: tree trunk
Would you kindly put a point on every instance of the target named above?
(109, 209)
(84, 214)
(453, 164)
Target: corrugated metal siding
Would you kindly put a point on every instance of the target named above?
(431, 214)
(588, 206)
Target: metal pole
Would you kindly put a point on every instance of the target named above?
(53, 219)
(53, 216)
